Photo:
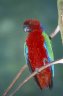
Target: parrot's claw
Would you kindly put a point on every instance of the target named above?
(36, 70)
(45, 60)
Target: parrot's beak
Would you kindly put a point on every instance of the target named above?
(26, 29)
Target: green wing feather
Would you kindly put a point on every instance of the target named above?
(48, 45)
(49, 50)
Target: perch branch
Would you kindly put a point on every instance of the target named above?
(52, 35)
(15, 79)
(34, 73)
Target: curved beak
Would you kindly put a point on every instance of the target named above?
(26, 29)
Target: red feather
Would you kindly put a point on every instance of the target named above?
(36, 55)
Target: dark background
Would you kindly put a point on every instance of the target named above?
(12, 15)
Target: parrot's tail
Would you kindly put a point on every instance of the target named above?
(44, 78)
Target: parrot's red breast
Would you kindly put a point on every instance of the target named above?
(37, 54)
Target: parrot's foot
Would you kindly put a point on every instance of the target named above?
(50, 37)
(44, 61)
(37, 70)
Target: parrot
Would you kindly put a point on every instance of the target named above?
(38, 52)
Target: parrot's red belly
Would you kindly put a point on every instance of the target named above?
(37, 54)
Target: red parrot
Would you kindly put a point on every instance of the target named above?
(38, 52)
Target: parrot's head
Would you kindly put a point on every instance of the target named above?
(31, 25)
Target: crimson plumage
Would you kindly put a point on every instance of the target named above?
(37, 53)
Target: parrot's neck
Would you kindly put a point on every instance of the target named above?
(35, 35)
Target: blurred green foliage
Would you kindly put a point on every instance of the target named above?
(12, 38)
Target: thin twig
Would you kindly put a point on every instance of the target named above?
(52, 35)
(34, 73)
(15, 79)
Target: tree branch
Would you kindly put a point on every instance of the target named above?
(15, 79)
(33, 74)
(52, 35)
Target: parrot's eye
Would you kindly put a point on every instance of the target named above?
(27, 29)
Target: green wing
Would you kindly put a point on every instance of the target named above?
(48, 44)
